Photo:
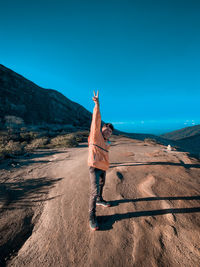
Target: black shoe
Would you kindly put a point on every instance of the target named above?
(93, 222)
(102, 202)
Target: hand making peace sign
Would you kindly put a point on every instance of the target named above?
(96, 97)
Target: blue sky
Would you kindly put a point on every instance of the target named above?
(143, 56)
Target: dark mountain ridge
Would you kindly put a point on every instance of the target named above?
(182, 133)
(191, 143)
(23, 102)
(187, 139)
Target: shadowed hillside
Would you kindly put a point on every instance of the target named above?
(187, 138)
(182, 133)
(23, 102)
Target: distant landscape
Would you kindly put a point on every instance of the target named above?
(32, 117)
(156, 127)
(74, 194)
(152, 187)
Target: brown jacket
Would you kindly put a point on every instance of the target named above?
(98, 149)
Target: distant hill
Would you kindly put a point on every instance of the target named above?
(191, 143)
(24, 103)
(187, 139)
(182, 133)
(142, 137)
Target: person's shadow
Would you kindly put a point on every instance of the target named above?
(106, 222)
(117, 202)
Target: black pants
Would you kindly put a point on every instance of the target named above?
(97, 182)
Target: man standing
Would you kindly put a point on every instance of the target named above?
(98, 161)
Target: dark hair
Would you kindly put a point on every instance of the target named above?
(109, 125)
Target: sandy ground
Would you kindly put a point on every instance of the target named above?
(154, 219)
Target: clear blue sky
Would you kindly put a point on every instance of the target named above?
(143, 56)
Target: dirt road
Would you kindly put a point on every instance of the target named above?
(154, 219)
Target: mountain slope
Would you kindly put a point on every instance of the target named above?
(182, 133)
(191, 143)
(32, 104)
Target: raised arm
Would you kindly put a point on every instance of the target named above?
(96, 117)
